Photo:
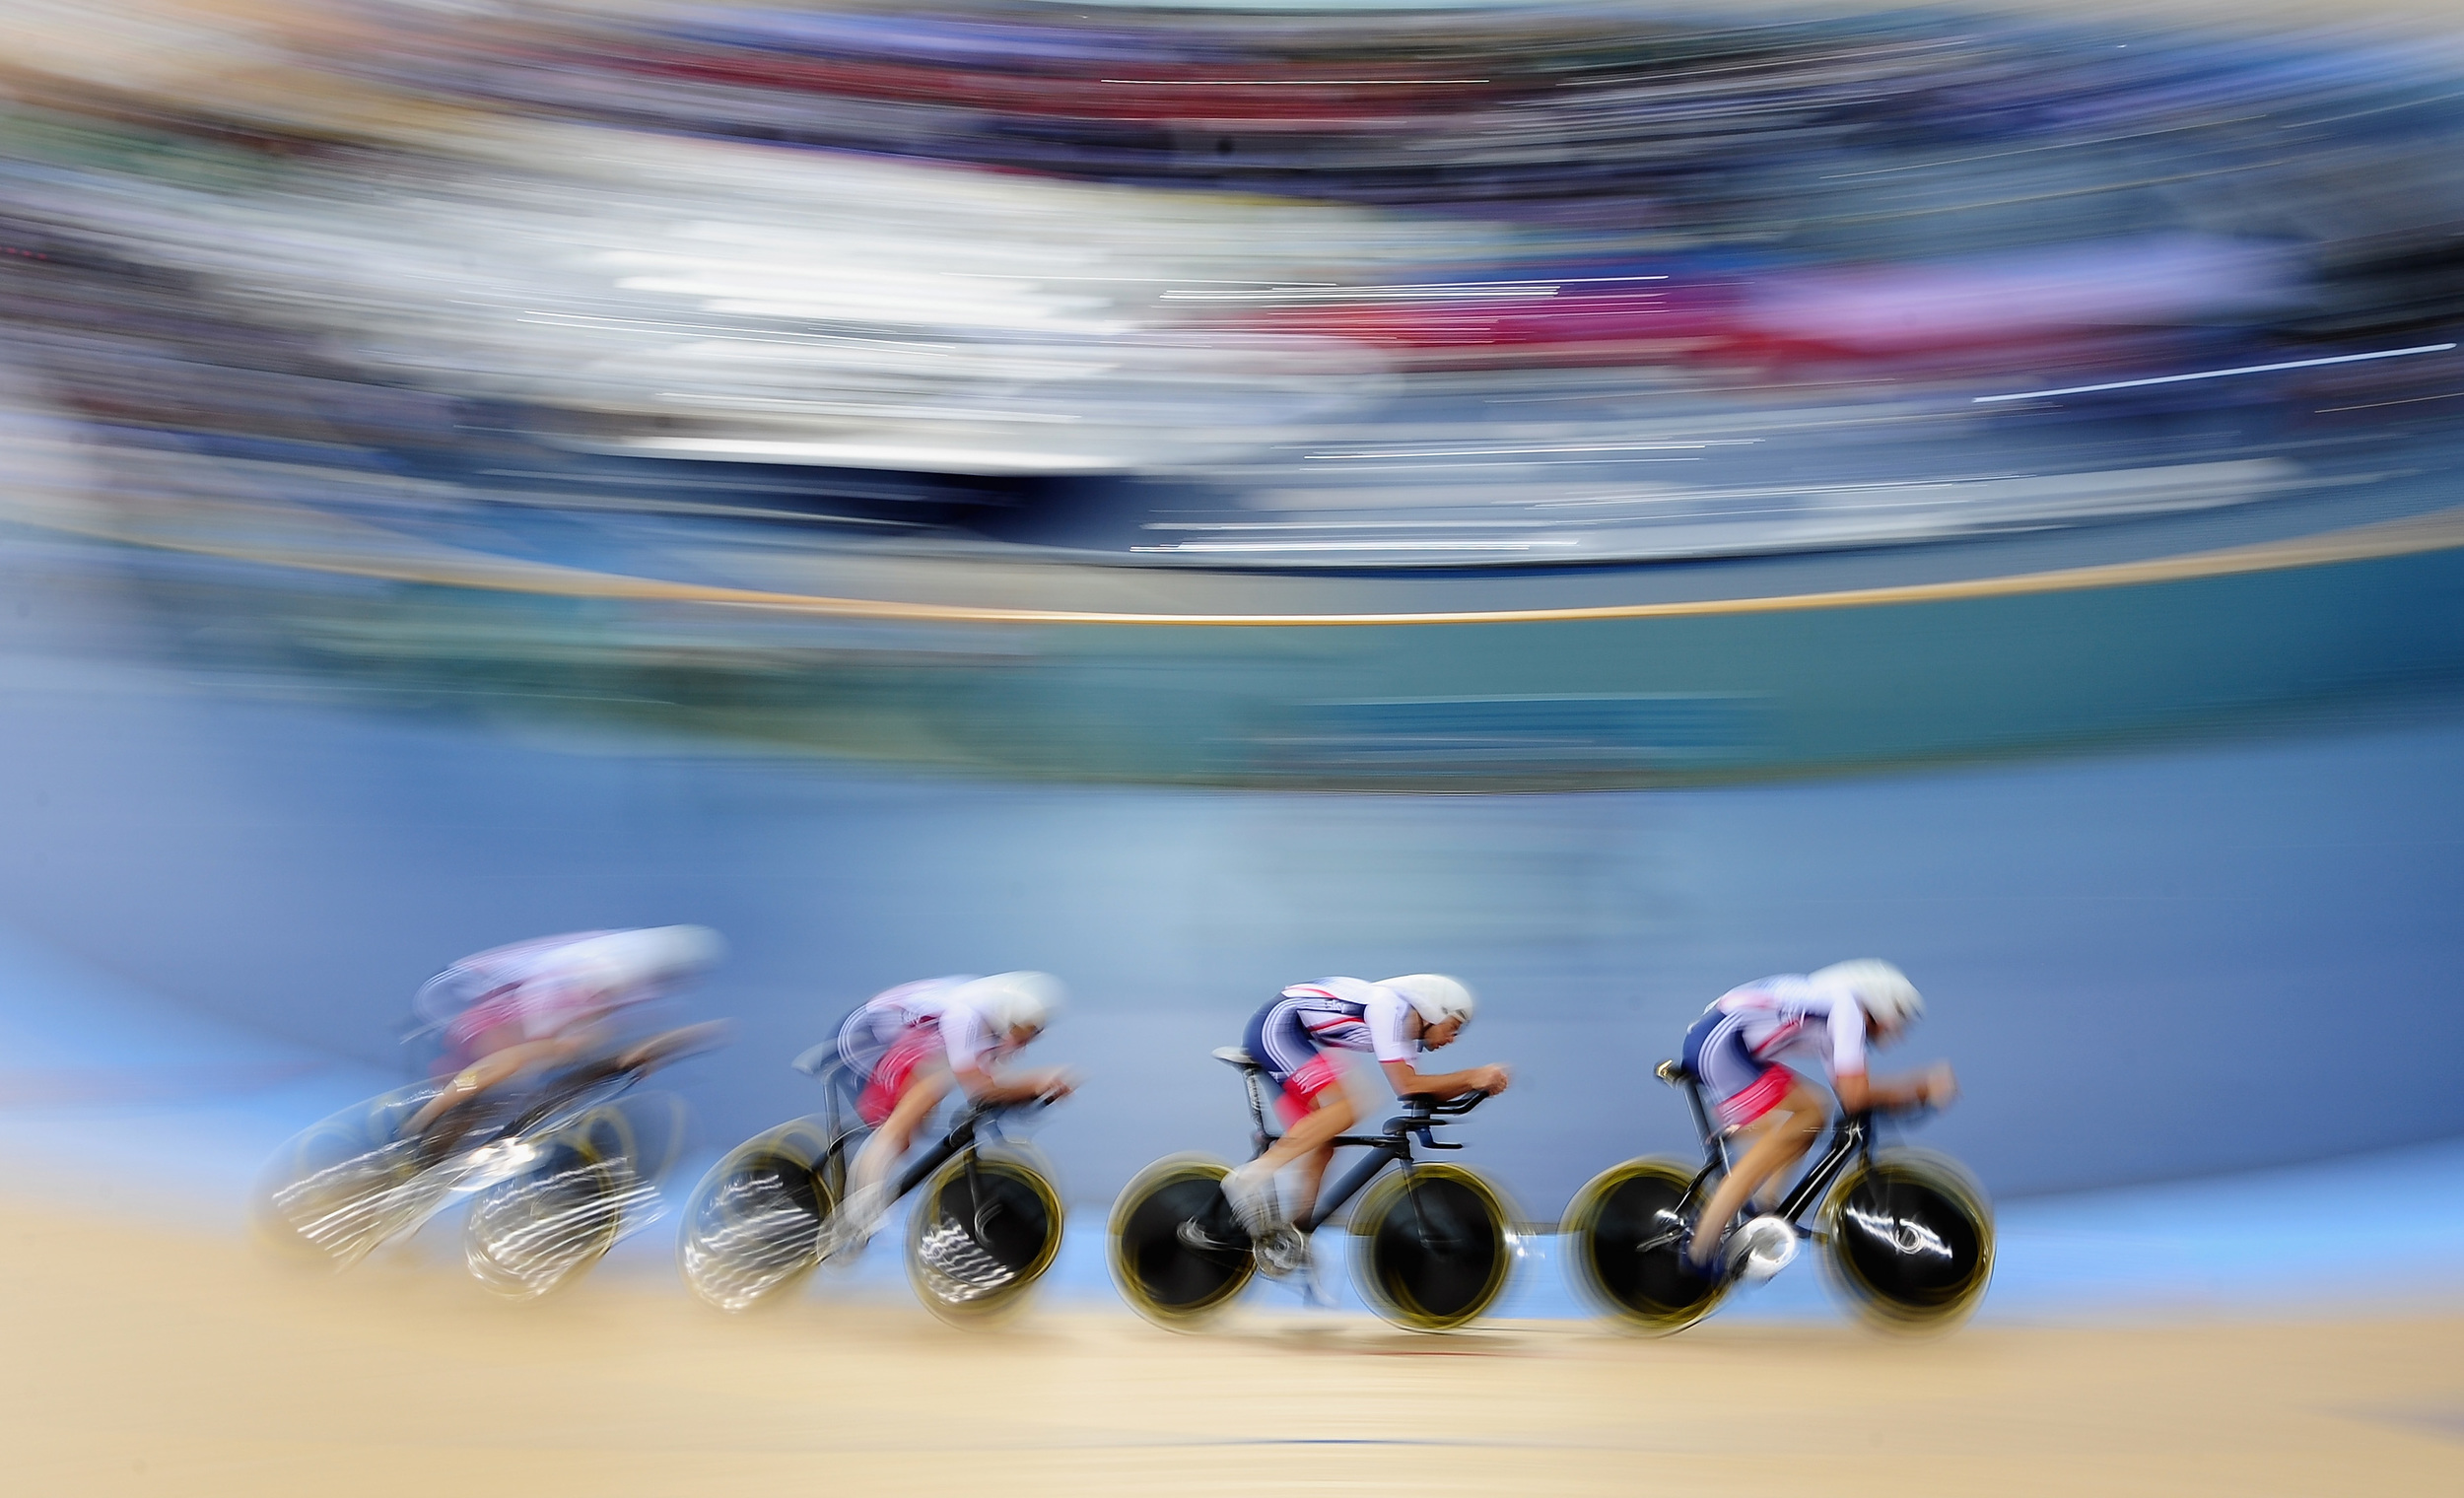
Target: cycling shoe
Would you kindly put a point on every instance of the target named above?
(1713, 1272)
(1194, 1235)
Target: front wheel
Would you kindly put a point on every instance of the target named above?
(1909, 1241)
(982, 1233)
(1622, 1238)
(1174, 1278)
(1433, 1246)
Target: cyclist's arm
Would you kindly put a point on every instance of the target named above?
(1409, 1080)
(1859, 1092)
(983, 1086)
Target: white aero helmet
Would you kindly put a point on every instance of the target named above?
(1438, 997)
(1012, 1000)
(651, 957)
(1883, 990)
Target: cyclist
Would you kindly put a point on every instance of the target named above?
(866, 1035)
(1294, 1038)
(1740, 1049)
(515, 1011)
(956, 1032)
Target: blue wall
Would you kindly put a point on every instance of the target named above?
(2147, 963)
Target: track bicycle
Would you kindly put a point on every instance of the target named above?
(986, 1228)
(1907, 1236)
(1432, 1241)
(555, 1173)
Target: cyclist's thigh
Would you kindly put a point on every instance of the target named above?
(916, 1056)
(1302, 1075)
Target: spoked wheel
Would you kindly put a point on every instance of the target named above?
(753, 1227)
(1433, 1247)
(980, 1239)
(545, 1228)
(341, 1188)
(1909, 1241)
(1621, 1239)
(1167, 1278)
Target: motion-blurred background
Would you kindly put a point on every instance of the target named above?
(1607, 501)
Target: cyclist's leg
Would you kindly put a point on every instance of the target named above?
(1315, 1107)
(909, 1083)
(1779, 1135)
(494, 1069)
(1306, 1144)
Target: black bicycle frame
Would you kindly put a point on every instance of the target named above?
(840, 1084)
(1851, 1135)
(1390, 1145)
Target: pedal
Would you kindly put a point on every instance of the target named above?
(1282, 1251)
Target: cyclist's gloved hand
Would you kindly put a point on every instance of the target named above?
(1939, 1086)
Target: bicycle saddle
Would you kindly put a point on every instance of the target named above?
(1234, 1055)
(1674, 1073)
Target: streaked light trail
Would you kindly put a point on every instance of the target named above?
(2248, 369)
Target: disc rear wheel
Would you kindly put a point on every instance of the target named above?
(753, 1226)
(545, 1228)
(1622, 1239)
(339, 1189)
(1175, 1278)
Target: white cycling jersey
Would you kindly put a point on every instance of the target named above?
(1349, 1014)
(1793, 1017)
(962, 1034)
(968, 1038)
(878, 1022)
(549, 984)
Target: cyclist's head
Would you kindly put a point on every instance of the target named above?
(1013, 1004)
(1882, 991)
(1444, 1005)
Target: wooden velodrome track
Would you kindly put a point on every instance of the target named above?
(142, 1361)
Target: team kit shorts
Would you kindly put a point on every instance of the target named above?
(917, 1051)
(1300, 1071)
(1742, 1086)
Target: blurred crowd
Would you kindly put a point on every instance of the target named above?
(1531, 282)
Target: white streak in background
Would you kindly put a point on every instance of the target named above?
(1729, 522)
(2248, 369)
(1285, 83)
(859, 455)
(1537, 543)
(1737, 441)
(1451, 290)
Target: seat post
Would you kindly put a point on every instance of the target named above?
(1675, 1075)
(1246, 1065)
(1258, 1136)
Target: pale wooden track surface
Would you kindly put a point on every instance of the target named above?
(144, 1362)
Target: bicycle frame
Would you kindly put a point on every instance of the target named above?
(839, 1088)
(1391, 1144)
(1852, 1135)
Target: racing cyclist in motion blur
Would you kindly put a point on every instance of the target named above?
(941, 1034)
(1740, 1049)
(518, 1013)
(1295, 1038)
